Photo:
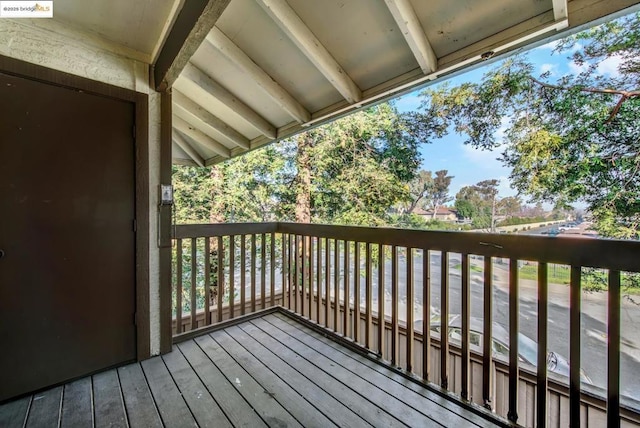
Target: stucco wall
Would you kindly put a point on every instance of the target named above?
(50, 44)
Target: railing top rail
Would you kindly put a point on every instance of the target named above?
(183, 231)
(599, 253)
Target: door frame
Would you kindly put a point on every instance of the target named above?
(42, 74)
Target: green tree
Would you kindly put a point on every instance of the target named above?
(351, 171)
(438, 194)
(357, 166)
(511, 206)
(419, 187)
(575, 138)
(478, 202)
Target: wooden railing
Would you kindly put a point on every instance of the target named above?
(331, 275)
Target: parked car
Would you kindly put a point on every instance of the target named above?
(568, 226)
(527, 347)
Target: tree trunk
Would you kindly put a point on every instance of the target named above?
(303, 179)
(217, 212)
(303, 204)
(216, 215)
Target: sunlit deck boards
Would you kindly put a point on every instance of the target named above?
(269, 371)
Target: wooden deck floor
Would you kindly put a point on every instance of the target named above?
(269, 371)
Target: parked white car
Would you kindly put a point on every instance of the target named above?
(527, 347)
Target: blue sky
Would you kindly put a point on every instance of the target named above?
(469, 165)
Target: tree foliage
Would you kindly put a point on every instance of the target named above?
(570, 138)
(478, 203)
(427, 191)
(351, 171)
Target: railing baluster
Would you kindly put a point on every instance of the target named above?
(243, 273)
(253, 272)
(310, 293)
(284, 269)
(232, 275)
(444, 320)
(356, 292)
(263, 271)
(194, 274)
(574, 345)
(327, 272)
(541, 384)
(179, 286)
(296, 272)
(381, 320)
(319, 279)
(514, 314)
(303, 279)
(220, 276)
(409, 317)
(487, 351)
(336, 285)
(395, 360)
(426, 314)
(465, 312)
(347, 305)
(613, 350)
(291, 270)
(272, 268)
(368, 297)
(207, 281)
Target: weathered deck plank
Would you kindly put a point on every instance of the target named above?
(406, 390)
(107, 401)
(336, 405)
(371, 394)
(140, 407)
(45, 409)
(205, 410)
(172, 407)
(231, 402)
(266, 404)
(269, 371)
(77, 406)
(14, 413)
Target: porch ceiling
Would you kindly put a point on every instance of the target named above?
(269, 69)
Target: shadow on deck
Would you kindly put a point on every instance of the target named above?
(269, 370)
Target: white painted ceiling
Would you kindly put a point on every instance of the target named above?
(135, 24)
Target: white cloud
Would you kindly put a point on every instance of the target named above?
(548, 68)
(610, 66)
(577, 68)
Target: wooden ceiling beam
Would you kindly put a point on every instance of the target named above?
(200, 137)
(214, 89)
(186, 106)
(287, 19)
(409, 24)
(187, 148)
(560, 10)
(191, 26)
(268, 84)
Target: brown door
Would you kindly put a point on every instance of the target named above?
(67, 201)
